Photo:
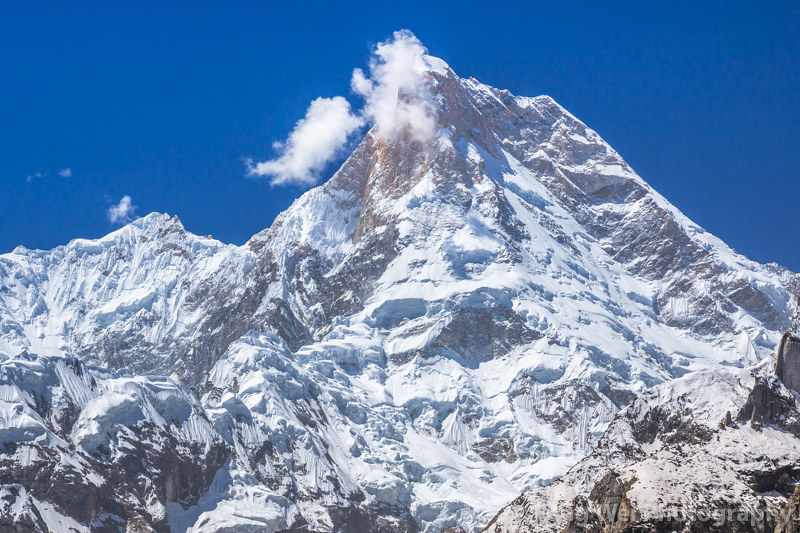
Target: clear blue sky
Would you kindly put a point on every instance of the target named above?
(162, 103)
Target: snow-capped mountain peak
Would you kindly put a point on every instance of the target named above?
(446, 322)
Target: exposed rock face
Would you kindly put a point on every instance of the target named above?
(409, 346)
(788, 364)
(610, 495)
(770, 404)
(789, 522)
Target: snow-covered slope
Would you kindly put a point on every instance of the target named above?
(437, 328)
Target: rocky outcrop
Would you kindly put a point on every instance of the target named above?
(771, 404)
(789, 521)
(606, 510)
(787, 366)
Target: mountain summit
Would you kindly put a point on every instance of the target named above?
(454, 317)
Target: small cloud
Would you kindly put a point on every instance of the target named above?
(397, 93)
(123, 212)
(315, 140)
(64, 173)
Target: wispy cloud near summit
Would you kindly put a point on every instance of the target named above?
(123, 212)
(397, 99)
(397, 93)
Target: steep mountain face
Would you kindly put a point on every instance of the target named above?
(86, 449)
(437, 328)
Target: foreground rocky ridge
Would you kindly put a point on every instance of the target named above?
(408, 347)
(714, 451)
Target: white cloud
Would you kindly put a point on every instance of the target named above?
(315, 140)
(397, 93)
(122, 212)
(64, 173)
(397, 100)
